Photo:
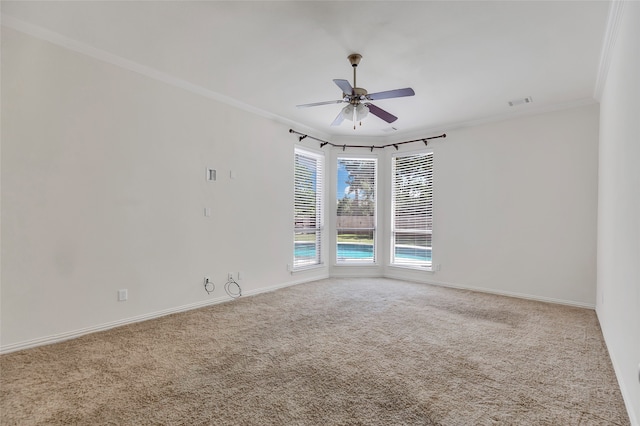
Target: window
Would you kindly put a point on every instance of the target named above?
(308, 205)
(412, 210)
(356, 210)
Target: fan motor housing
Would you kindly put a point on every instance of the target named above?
(359, 91)
(359, 94)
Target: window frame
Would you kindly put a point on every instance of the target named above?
(317, 228)
(428, 231)
(374, 229)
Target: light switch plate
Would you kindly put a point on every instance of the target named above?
(211, 174)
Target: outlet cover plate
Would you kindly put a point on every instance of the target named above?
(122, 295)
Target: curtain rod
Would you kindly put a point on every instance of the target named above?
(372, 147)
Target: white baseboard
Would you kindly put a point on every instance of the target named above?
(56, 338)
(322, 276)
(61, 337)
(622, 384)
(429, 280)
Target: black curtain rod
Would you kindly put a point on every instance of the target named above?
(372, 147)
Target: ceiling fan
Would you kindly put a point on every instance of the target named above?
(358, 99)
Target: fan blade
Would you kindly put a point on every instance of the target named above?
(339, 119)
(345, 86)
(398, 93)
(339, 101)
(379, 112)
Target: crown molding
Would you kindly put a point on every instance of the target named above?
(511, 115)
(609, 41)
(112, 59)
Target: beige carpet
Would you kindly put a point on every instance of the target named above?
(332, 352)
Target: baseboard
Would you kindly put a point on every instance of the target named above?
(355, 271)
(322, 276)
(61, 337)
(492, 291)
(626, 397)
(57, 338)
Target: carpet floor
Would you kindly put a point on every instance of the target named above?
(332, 352)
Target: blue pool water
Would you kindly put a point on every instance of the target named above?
(355, 251)
(413, 253)
(364, 252)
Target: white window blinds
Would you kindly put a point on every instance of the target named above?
(356, 210)
(308, 207)
(412, 209)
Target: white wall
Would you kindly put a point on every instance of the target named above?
(618, 300)
(515, 207)
(103, 188)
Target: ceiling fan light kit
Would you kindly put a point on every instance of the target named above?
(357, 113)
(358, 99)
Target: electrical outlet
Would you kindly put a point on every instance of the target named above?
(122, 295)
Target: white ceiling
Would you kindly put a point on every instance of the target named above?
(465, 60)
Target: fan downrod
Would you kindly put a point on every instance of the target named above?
(354, 58)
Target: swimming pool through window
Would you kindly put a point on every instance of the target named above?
(356, 210)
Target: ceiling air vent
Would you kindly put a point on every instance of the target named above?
(516, 102)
